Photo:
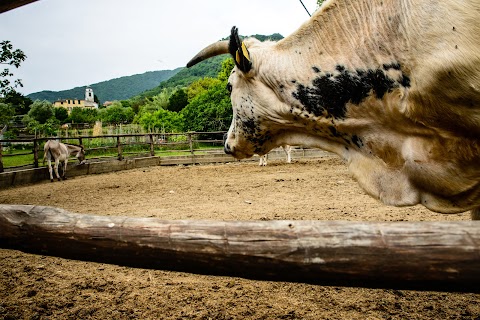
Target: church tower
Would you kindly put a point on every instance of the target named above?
(89, 94)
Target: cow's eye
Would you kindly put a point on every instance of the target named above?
(229, 87)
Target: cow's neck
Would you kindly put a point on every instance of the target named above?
(356, 34)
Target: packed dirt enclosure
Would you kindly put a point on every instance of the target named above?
(43, 287)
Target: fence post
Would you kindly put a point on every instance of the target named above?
(152, 151)
(190, 142)
(119, 147)
(1, 157)
(35, 153)
(80, 141)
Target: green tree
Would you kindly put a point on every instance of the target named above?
(227, 66)
(209, 107)
(6, 114)
(37, 122)
(159, 101)
(178, 100)
(83, 115)
(41, 111)
(200, 86)
(126, 103)
(10, 57)
(18, 101)
(61, 114)
(50, 127)
(116, 114)
(162, 120)
(209, 111)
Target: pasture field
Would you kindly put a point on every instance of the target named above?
(43, 287)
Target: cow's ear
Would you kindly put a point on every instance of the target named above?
(239, 51)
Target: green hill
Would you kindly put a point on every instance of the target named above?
(116, 89)
(208, 68)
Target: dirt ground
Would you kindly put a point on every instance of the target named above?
(42, 287)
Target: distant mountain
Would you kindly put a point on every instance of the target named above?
(116, 89)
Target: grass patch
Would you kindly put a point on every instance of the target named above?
(18, 160)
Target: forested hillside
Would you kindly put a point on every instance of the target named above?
(116, 89)
(209, 68)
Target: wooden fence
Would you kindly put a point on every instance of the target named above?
(416, 255)
(152, 143)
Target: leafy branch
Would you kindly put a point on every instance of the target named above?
(11, 57)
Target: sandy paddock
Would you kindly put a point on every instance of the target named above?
(42, 287)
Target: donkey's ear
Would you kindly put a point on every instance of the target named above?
(239, 51)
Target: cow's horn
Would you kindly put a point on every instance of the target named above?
(237, 49)
(215, 49)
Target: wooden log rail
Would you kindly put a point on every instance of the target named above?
(404, 255)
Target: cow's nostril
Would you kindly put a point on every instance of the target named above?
(227, 149)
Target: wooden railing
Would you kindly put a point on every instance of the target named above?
(440, 256)
(153, 143)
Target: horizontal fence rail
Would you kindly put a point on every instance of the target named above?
(441, 256)
(142, 144)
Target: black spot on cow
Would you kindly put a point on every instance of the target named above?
(357, 141)
(252, 132)
(333, 130)
(393, 65)
(405, 81)
(316, 69)
(328, 94)
(248, 125)
(346, 139)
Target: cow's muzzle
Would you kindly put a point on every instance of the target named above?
(227, 148)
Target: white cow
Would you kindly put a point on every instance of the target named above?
(391, 86)
(288, 153)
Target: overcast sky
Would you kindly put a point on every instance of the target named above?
(71, 43)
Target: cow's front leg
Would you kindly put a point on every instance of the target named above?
(263, 160)
(288, 150)
(475, 213)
